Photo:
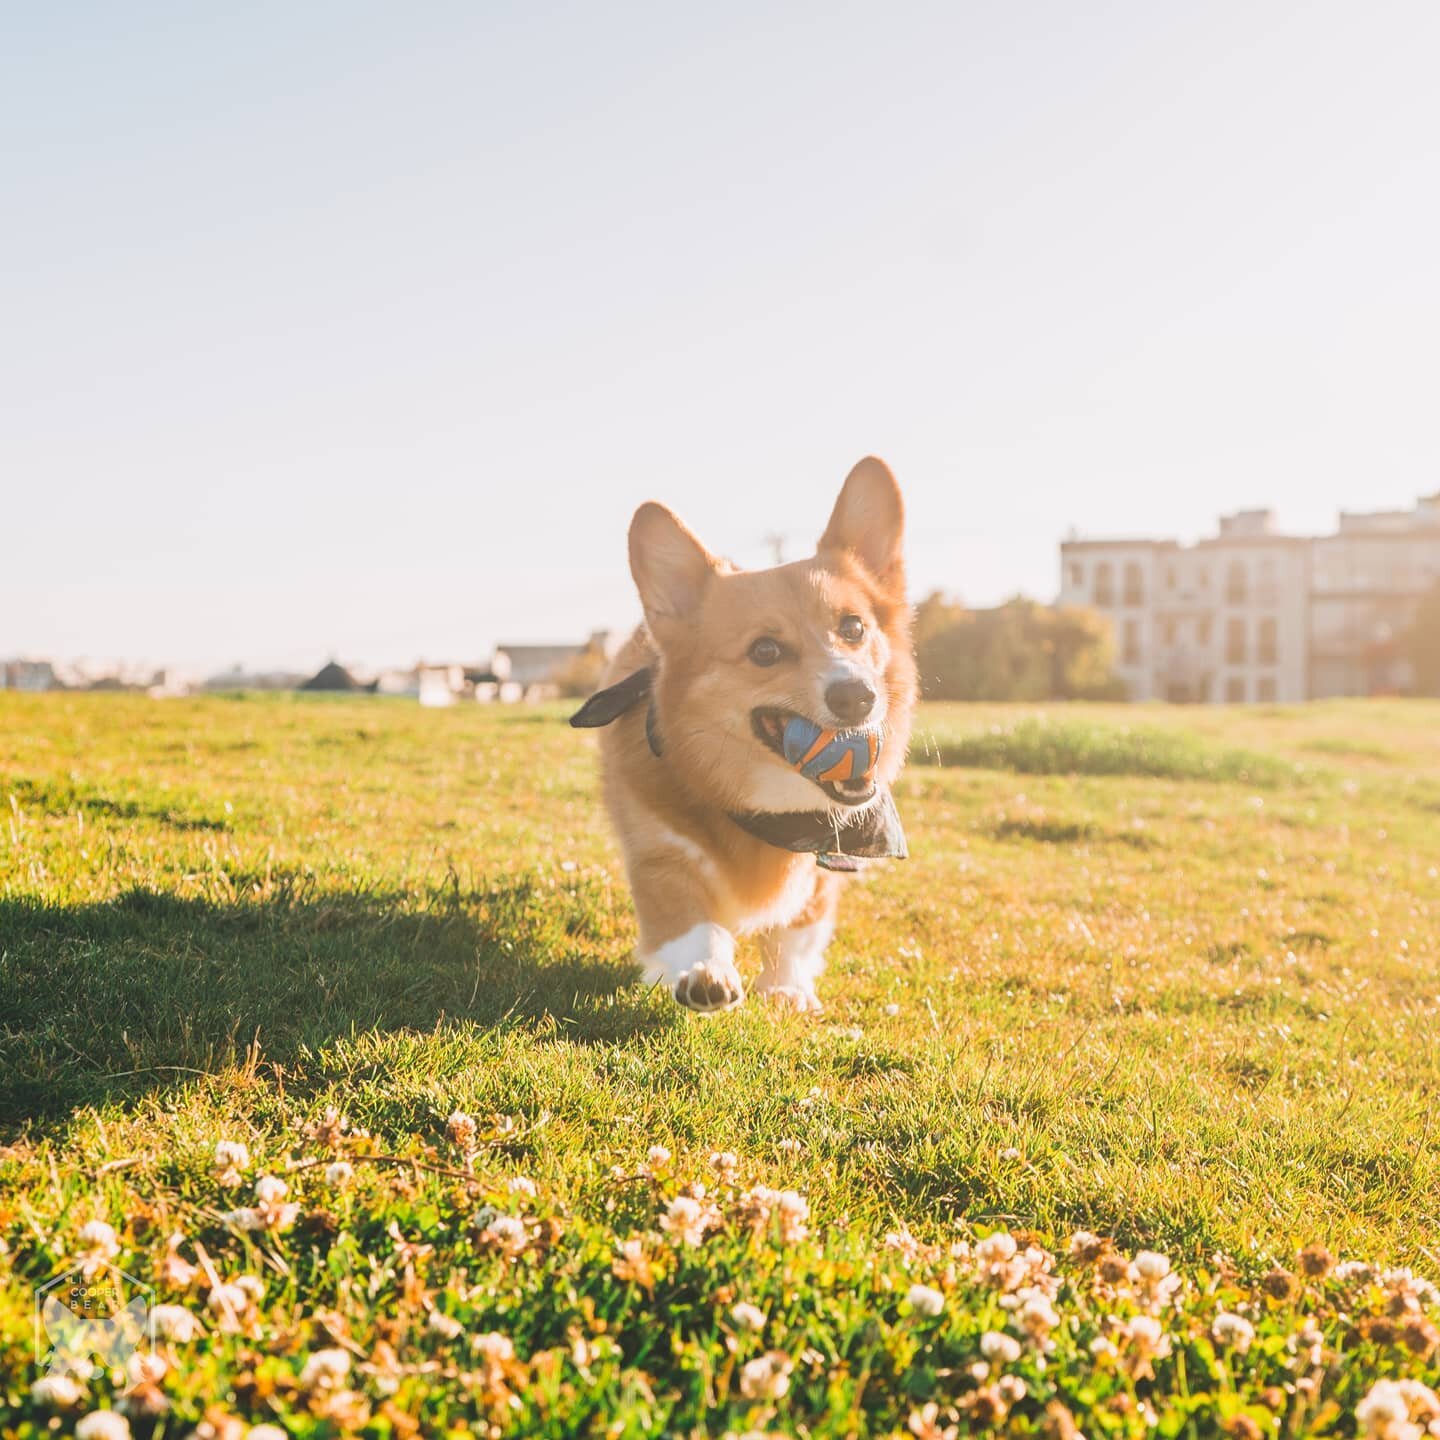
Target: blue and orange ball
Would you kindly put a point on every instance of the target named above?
(828, 756)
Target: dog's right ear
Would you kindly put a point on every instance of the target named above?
(671, 567)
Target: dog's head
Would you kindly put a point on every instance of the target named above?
(742, 652)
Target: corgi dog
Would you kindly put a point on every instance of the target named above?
(756, 722)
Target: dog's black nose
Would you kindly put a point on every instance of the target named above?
(850, 700)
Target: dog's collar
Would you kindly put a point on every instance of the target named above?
(836, 839)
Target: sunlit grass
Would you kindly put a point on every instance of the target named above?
(1169, 976)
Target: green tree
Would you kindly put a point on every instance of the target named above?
(1019, 651)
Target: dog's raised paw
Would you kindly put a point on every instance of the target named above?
(793, 997)
(710, 988)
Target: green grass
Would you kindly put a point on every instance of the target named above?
(1169, 976)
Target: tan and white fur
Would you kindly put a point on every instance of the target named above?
(698, 879)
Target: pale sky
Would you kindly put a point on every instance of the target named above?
(361, 328)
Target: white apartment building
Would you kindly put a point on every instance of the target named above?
(1250, 615)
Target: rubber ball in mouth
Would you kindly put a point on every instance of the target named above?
(829, 755)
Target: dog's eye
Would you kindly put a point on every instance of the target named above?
(851, 629)
(765, 651)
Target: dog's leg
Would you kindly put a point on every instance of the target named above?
(699, 967)
(795, 955)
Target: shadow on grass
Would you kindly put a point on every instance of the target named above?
(112, 1001)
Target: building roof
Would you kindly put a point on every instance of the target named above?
(533, 664)
(332, 676)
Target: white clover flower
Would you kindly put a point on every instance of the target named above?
(685, 1219)
(925, 1301)
(100, 1237)
(790, 1147)
(1012, 1389)
(1233, 1331)
(339, 1173)
(461, 1130)
(493, 1346)
(747, 1316)
(271, 1189)
(767, 1377)
(57, 1392)
(996, 1249)
(657, 1157)
(252, 1286)
(325, 1369)
(440, 1323)
(103, 1425)
(175, 1322)
(1384, 1410)
(520, 1185)
(265, 1432)
(1355, 1270)
(1036, 1313)
(999, 1347)
(1152, 1266)
(506, 1233)
(724, 1163)
(247, 1217)
(1103, 1349)
(146, 1369)
(793, 1210)
(230, 1159)
(892, 1009)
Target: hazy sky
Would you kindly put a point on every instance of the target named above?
(362, 328)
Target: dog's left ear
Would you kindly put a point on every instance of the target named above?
(869, 522)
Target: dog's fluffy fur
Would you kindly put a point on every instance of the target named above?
(698, 879)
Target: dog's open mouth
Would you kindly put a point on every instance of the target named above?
(840, 762)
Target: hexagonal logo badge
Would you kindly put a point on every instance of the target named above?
(93, 1314)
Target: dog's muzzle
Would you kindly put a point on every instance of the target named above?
(841, 762)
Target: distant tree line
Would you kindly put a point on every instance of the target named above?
(1019, 651)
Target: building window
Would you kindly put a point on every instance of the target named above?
(1267, 642)
(1202, 630)
(1171, 579)
(1132, 642)
(1235, 641)
(1237, 583)
(1077, 575)
(1104, 583)
(1134, 585)
(1202, 578)
(1235, 690)
(1266, 693)
(1169, 631)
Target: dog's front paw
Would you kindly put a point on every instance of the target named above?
(712, 986)
(795, 997)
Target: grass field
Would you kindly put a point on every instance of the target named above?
(1169, 977)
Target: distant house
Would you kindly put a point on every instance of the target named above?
(1250, 614)
(399, 682)
(534, 672)
(29, 675)
(334, 676)
(239, 678)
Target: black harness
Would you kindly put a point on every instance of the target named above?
(837, 839)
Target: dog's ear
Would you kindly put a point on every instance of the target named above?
(869, 522)
(671, 567)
